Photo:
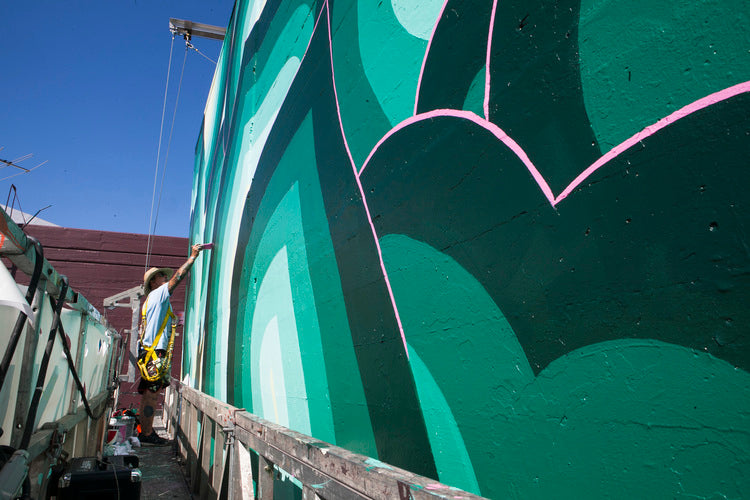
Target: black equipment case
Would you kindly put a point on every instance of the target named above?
(89, 477)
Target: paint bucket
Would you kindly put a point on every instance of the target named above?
(120, 429)
(128, 426)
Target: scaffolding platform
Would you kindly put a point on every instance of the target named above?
(162, 473)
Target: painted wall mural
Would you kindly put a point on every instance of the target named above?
(501, 244)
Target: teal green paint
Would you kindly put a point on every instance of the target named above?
(194, 306)
(212, 113)
(356, 97)
(279, 306)
(276, 65)
(451, 458)
(624, 418)
(391, 57)
(297, 221)
(207, 346)
(464, 341)
(418, 17)
(668, 54)
(376, 464)
(275, 356)
(257, 129)
(595, 413)
(238, 26)
(350, 415)
(636, 419)
(475, 96)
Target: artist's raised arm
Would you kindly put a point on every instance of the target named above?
(183, 270)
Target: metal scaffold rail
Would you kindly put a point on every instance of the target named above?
(217, 440)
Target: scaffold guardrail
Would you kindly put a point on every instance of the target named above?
(216, 439)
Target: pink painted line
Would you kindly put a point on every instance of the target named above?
(426, 53)
(502, 136)
(361, 190)
(487, 63)
(491, 127)
(538, 177)
(709, 100)
(335, 92)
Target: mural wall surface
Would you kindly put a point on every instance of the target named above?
(503, 244)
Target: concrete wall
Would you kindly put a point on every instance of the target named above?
(501, 244)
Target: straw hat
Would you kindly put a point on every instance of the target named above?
(153, 272)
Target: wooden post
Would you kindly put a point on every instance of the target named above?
(168, 411)
(95, 438)
(207, 432)
(173, 409)
(101, 432)
(182, 429)
(81, 436)
(217, 470)
(193, 445)
(240, 472)
(92, 440)
(265, 478)
(308, 493)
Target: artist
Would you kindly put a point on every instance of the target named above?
(157, 335)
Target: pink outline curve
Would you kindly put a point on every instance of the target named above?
(721, 95)
(504, 138)
(315, 27)
(487, 63)
(359, 185)
(704, 102)
(491, 127)
(426, 53)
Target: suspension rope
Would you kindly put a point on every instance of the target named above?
(190, 45)
(158, 155)
(169, 141)
(154, 216)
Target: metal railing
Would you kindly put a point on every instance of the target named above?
(216, 441)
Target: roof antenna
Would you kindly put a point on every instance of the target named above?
(15, 164)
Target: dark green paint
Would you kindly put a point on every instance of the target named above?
(595, 346)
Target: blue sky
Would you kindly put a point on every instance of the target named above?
(82, 87)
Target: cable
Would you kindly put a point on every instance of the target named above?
(21, 321)
(158, 155)
(169, 142)
(57, 327)
(154, 217)
(190, 45)
(72, 368)
(56, 322)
